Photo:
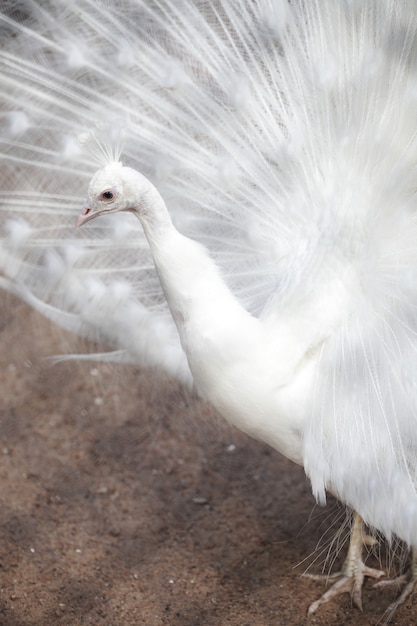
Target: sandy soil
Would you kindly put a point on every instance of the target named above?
(125, 502)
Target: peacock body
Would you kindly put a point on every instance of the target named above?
(282, 138)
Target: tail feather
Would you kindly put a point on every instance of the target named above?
(282, 136)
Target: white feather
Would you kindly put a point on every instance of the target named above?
(282, 137)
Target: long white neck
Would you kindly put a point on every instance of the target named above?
(236, 364)
(199, 300)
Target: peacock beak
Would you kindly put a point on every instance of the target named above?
(86, 215)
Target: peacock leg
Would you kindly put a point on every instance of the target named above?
(352, 575)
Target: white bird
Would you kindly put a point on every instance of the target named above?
(282, 138)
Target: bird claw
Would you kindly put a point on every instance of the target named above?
(405, 594)
(409, 580)
(352, 575)
(398, 581)
(349, 580)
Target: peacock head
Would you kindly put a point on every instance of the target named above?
(112, 189)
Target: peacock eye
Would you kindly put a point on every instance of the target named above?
(107, 196)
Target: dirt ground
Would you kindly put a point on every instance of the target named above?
(125, 502)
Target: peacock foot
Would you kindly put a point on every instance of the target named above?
(349, 580)
(352, 575)
(409, 580)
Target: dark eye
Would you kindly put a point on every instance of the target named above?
(107, 195)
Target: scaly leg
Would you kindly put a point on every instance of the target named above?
(351, 577)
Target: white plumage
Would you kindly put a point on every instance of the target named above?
(282, 138)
